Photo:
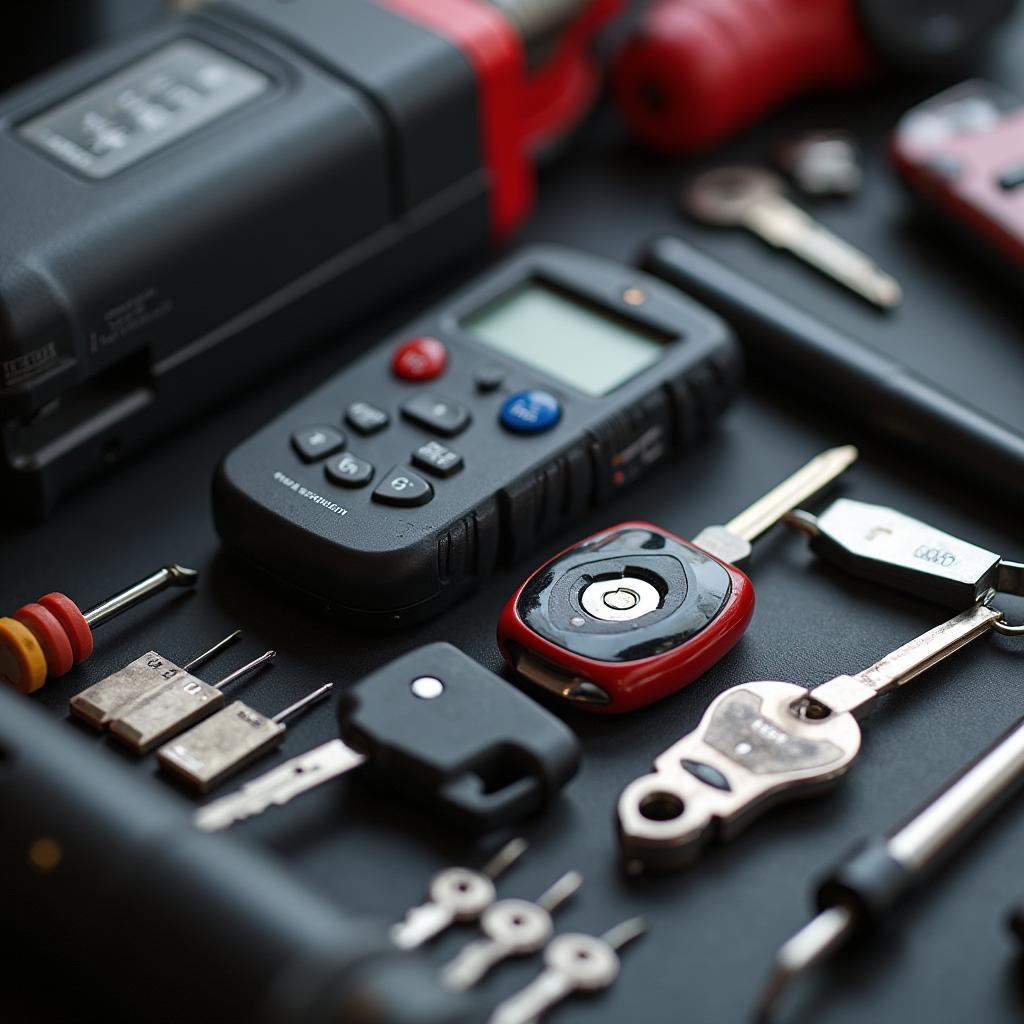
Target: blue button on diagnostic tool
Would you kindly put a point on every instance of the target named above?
(531, 412)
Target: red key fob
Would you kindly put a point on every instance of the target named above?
(624, 618)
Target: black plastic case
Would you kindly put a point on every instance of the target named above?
(394, 566)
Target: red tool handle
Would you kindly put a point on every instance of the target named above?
(696, 71)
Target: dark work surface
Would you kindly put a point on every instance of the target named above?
(714, 928)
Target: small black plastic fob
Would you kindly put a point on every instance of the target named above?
(437, 725)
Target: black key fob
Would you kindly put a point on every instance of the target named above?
(437, 725)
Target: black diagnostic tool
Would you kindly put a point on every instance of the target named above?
(472, 434)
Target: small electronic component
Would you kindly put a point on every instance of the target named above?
(50, 636)
(173, 706)
(511, 928)
(573, 962)
(97, 704)
(456, 896)
(227, 741)
(762, 743)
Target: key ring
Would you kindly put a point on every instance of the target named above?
(1010, 581)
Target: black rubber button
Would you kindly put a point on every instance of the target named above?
(435, 458)
(315, 443)
(348, 471)
(437, 414)
(489, 378)
(366, 418)
(403, 487)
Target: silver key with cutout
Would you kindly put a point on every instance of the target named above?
(511, 928)
(573, 962)
(880, 544)
(457, 895)
(764, 742)
(751, 197)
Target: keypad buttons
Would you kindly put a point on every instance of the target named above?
(401, 486)
(435, 458)
(530, 412)
(315, 443)
(489, 378)
(422, 358)
(438, 415)
(365, 418)
(348, 471)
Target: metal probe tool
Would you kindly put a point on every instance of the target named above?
(865, 887)
(48, 637)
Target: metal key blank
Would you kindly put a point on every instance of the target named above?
(752, 197)
(511, 928)
(763, 742)
(457, 895)
(439, 728)
(574, 962)
(885, 546)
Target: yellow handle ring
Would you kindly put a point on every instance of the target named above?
(22, 662)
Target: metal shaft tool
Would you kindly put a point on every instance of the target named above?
(869, 883)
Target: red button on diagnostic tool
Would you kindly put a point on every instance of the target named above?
(421, 358)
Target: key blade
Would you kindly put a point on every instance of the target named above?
(784, 497)
(784, 225)
(531, 1003)
(420, 925)
(280, 785)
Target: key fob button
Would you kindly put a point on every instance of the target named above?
(530, 412)
(422, 358)
(402, 487)
(315, 443)
(437, 414)
(365, 418)
(348, 471)
(435, 458)
(489, 378)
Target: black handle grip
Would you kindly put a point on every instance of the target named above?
(102, 868)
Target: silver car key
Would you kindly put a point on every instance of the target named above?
(511, 928)
(573, 962)
(752, 197)
(765, 742)
(885, 546)
(457, 895)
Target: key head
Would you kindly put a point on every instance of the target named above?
(758, 743)
(466, 894)
(439, 727)
(517, 925)
(885, 546)
(725, 195)
(625, 617)
(585, 960)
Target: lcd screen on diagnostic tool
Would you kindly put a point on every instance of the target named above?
(572, 340)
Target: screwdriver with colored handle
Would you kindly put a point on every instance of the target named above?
(866, 887)
(49, 636)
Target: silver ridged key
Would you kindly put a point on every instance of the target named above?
(763, 742)
(752, 197)
(280, 785)
(573, 962)
(511, 928)
(457, 895)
